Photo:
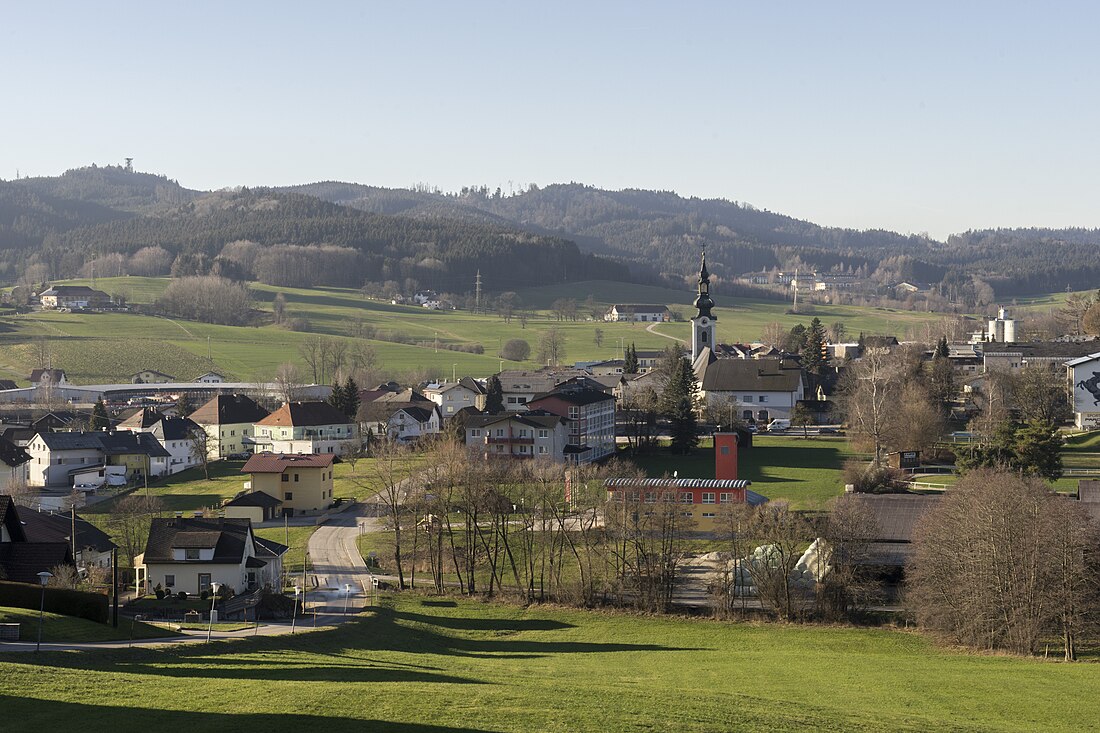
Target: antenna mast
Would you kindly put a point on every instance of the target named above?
(477, 293)
(129, 165)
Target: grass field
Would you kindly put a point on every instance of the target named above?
(444, 666)
(806, 473)
(96, 348)
(58, 628)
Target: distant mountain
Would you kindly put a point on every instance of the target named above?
(28, 217)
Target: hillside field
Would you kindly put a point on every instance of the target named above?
(100, 347)
(414, 664)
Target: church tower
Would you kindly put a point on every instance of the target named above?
(702, 325)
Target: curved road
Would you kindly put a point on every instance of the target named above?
(651, 328)
(336, 560)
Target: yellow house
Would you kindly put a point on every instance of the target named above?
(302, 481)
(228, 420)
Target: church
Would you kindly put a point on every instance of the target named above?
(757, 390)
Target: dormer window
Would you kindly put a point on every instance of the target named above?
(191, 553)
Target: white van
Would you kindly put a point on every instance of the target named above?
(778, 425)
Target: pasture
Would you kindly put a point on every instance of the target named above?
(436, 665)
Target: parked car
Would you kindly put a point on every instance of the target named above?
(242, 456)
(828, 431)
(778, 425)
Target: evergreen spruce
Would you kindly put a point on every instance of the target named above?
(351, 398)
(494, 397)
(677, 401)
(630, 362)
(99, 420)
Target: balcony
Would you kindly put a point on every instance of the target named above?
(508, 440)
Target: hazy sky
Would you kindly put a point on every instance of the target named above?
(921, 116)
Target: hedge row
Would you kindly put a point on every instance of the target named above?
(92, 606)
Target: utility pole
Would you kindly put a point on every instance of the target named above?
(477, 293)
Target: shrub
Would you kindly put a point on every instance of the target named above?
(516, 350)
(182, 595)
(159, 592)
(869, 479)
(91, 606)
(204, 595)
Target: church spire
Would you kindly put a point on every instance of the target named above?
(703, 302)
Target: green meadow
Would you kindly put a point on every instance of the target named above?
(804, 472)
(413, 664)
(102, 347)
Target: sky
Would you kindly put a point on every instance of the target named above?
(917, 117)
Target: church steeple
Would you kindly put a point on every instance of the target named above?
(703, 302)
(703, 324)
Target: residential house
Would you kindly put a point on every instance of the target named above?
(763, 389)
(73, 296)
(590, 418)
(302, 482)
(210, 378)
(377, 406)
(93, 546)
(699, 500)
(47, 377)
(175, 434)
(257, 506)
(151, 376)
(638, 312)
(1014, 357)
(518, 435)
(21, 559)
(409, 424)
(518, 386)
(192, 554)
(307, 427)
(13, 465)
(453, 396)
(229, 421)
(57, 457)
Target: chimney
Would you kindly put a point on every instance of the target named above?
(725, 456)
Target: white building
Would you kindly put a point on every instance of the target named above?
(408, 424)
(453, 396)
(229, 421)
(307, 427)
(175, 434)
(191, 555)
(638, 312)
(518, 436)
(1084, 378)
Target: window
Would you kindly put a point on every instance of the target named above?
(708, 497)
(191, 553)
(762, 398)
(232, 433)
(285, 477)
(686, 497)
(543, 450)
(725, 498)
(574, 412)
(544, 433)
(169, 581)
(748, 398)
(500, 432)
(475, 433)
(204, 582)
(708, 515)
(295, 478)
(288, 495)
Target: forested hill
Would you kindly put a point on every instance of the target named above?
(111, 186)
(652, 230)
(294, 239)
(662, 231)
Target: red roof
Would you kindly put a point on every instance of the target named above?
(279, 462)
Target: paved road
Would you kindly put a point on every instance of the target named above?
(337, 562)
(652, 328)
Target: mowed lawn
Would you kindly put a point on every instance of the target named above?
(418, 665)
(59, 629)
(805, 472)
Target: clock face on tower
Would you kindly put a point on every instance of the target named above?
(704, 321)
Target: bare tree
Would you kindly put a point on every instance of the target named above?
(287, 382)
(850, 583)
(310, 351)
(870, 398)
(129, 522)
(783, 535)
(201, 448)
(551, 346)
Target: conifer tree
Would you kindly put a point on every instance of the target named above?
(351, 398)
(678, 401)
(630, 361)
(494, 397)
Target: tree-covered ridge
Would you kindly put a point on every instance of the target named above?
(111, 186)
(443, 254)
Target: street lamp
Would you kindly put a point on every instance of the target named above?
(43, 578)
(213, 600)
(294, 613)
(347, 595)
